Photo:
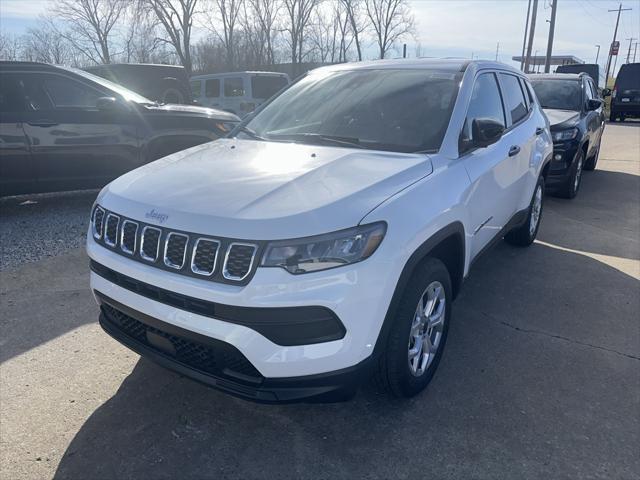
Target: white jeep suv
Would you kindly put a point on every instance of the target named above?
(327, 237)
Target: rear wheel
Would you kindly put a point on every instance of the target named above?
(419, 333)
(525, 234)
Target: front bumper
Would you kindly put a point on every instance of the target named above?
(218, 364)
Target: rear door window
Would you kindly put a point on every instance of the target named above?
(233, 87)
(196, 88)
(513, 97)
(263, 86)
(12, 97)
(212, 88)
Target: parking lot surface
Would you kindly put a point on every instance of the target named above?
(540, 378)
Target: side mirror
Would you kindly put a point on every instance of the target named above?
(594, 104)
(108, 104)
(485, 132)
(606, 92)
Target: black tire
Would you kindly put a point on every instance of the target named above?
(172, 96)
(572, 186)
(612, 116)
(393, 372)
(622, 117)
(591, 162)
(522, 236)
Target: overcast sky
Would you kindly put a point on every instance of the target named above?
(465, 27)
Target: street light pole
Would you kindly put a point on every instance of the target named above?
(552, 26)
(532, 31)
(598, 53)
(615, 34)
(524, 40)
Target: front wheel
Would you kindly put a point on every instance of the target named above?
(525, 234)
(419, 332)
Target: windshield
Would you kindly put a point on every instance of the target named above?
(390, 109)
(119, 89)
(559, 94)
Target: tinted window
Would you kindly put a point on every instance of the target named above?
(513, 97)
(196, 88)
(628, 77)
(233, 87)
(265, 86)
(485, 104)
(64, 92)
(388, 109)
(212, 88)
(12, 94)
(559, 94)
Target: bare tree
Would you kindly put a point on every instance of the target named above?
(265, 13)
(10, 47)
(176, 17)
(45, 43)
(141, 40)
(391, 20)
(298, 18)
(226, 13)
(357, 22)
(90, 25)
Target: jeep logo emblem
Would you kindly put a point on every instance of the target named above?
(159, 217)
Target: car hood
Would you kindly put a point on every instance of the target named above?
(257, 190)
(559, 119)
(194, 110)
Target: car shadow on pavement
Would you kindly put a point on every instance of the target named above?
(524, 390)
(602, 219)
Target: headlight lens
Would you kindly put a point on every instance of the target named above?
(312, 254)
(565, 135)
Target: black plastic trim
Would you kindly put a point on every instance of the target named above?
(285, 326)
(337, 385)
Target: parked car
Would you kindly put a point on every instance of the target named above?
(162, 83)
(63, 129)
(625, 98)
(327, 237)
(239, 92)
(576, 115)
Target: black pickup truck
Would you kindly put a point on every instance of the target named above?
(66, 129)
(576, 115)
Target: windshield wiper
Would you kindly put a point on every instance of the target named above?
(250, 132)
(326, 139)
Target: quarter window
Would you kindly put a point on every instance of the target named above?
(486, 103)
(233, 87)
(513, 97)
(212, 87)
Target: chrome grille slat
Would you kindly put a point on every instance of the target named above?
(128, 236)
(238, 261)
(97, 222)
(205, 256)
(111, 230)
(150, 243)
(175, 250)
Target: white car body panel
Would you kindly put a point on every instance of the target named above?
(257, 190)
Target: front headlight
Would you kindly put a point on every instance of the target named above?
(312, 254)
(564, 135)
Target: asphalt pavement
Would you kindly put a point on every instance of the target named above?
(540, 378)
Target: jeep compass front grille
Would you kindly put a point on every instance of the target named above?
(219, 259)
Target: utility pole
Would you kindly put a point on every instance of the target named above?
(635, 50)
(615, 34)
(498, 49)
(552, 26)
(629, 52)
(524, 40)
(532, 32)
(597, 54)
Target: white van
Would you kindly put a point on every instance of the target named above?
(237, 92)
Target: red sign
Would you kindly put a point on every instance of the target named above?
(615, 46)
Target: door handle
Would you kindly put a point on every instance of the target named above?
(514, 150)
(43, 123)
(539, 131)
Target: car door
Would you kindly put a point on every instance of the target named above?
(74, 144)
(491, 170)
(17, 173)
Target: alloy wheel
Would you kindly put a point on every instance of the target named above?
(536, 208)
(426, 329)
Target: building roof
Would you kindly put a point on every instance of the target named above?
(555, 59)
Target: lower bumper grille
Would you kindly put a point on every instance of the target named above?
(213, 358)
